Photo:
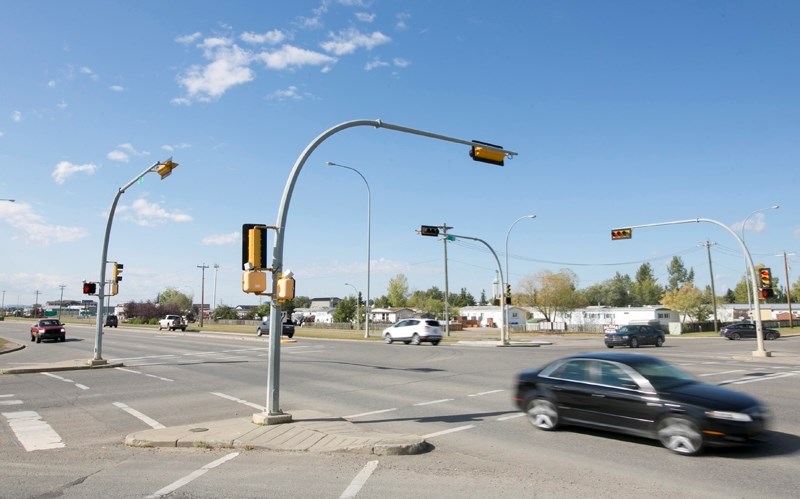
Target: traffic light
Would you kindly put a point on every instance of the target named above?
(254, 246)
(621, 234)
(286, 288)
(164, 169)
(508, 294)
(89, 288)
(485, 155)
(767, 293)
(117, 271)
(254, 282)
(114, 291)
(766, 278)
(429, 230)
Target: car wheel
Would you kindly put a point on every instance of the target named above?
(634, 343)
(387, 338)
(406, 342)
(770, 336)
(38, 339)
(33, 338)
(415, 339)
(160, 328)
(63, 338)
(680, 435)
(542, 414)
(735, 336)
(435, 342)
(259, 332)
(660, 341)
(610, 346)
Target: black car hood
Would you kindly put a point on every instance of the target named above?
(710, 396)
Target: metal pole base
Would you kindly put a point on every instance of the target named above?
(762, 353)
(263, 418)
(96, 362)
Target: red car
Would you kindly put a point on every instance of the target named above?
(48, 329)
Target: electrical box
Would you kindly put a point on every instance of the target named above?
(254, 282)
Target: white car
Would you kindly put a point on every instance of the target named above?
(414, 331)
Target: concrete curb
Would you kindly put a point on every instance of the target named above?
(67, 365)
(309, 431)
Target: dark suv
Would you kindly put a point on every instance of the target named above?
(746, 330)
(287, 328)
(634, 336)
(111, 321)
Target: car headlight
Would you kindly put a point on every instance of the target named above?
(624, 336)
(729, 416)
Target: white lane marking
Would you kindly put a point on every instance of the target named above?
(484, 393)
(433, 402)
(369, 413)
(753, 379)
(451, 430)
(32, 432)
(82, 387)
(354, 488)
(11, 402)
(133, 412)
(193, 475)
(147, 357)
(513, 416)
(144, 374)
(240, 401)
(721, 373)
(6, 395)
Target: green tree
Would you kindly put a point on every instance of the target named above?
(397, 291)
(552, 294)
(345, 310)
(645, 290)
(173, 297)
(688, 301)
(678, 275)
(483, 301)
(224, 312)
(462, 299)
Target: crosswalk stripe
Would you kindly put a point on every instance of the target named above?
(32, 432)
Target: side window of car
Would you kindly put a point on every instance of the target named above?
(411, 323)
(574, 370)
(613, 375)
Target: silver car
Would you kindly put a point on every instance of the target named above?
(414, 331)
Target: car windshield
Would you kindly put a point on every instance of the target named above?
(48, 323)
(661, 375)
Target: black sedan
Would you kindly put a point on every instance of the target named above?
(638, 395)
(747, 330)
(634, 336)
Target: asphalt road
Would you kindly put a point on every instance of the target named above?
(458, 397)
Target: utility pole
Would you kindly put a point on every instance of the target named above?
(36, 304)
(216, 270)
(60, 301)
(446, 283)
(788, 289)
(202, 290)
(708, 244)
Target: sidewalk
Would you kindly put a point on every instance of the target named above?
(309, 431)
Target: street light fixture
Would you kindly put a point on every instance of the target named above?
(163, 169)
(508, 277)
(369, 239)
(741, 231)
(358, 305)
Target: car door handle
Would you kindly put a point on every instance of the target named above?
(598, 395)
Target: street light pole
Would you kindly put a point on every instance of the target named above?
(760, 351)
(163, 169)
(61, 300)
(708, 245)
(741, 231)
(216, 270)
(508, 276)
(202, 290)
(369, 239)
(273, 414)
(358, 306)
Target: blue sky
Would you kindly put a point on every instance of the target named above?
(622, 112)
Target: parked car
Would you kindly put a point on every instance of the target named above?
(111, 321)
(635, 336)
(638, 395)
(48, 329)
(414, 331)
(287, 328)
(747, 330)
(172, 322)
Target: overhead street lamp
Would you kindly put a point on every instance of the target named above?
(358, 305)
(760, 351)
(479, 152)
(163, 169)
(741, 231)
(508, 276)
(369, 239)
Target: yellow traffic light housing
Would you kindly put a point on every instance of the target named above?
(254, 246)
(286, 288)
(117, 271)
(114, 291)
(485, 155)
(766, 278)
(254, 282)
(621, 234)
(165, 169)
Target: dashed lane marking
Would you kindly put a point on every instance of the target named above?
(239, 401)
(354, 488)
(82, 387)
(192, 476)
(451, 430)
(369, 413)
(143, 374)
(32, 432)
(133, 412)
(721, 373)
(754, 379)
(440, 401)
(485, 393)
(512, 416)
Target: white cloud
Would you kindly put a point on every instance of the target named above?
(174, 147)
(365, 17)
(289, 92)
(222, 239)
(229, 67)
(65, 169)
(188, 39)
(401, 63)
(374, 64)
(118, 156)
(16, 116)
(62, 105)
(2, 133)
(116, 88)
(348, 41)
(290, 56)
(123, 152)
(402, 21)
(756, 223)
(145, 213)
(272, 37)
(88, 71)
(34, 227)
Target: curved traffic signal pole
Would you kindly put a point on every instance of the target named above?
(273, 414)
(760, 351)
